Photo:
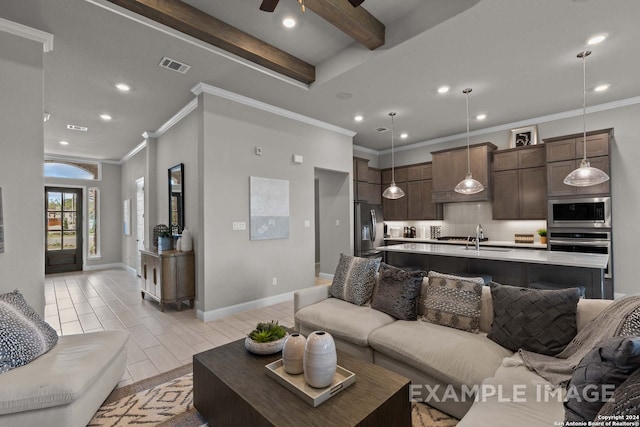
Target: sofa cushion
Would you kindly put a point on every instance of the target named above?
(625, 400)
(354, 279)
(604, 368)
(397, 292)
(63, 374)
(542, 321)
(343, 320)
(449, 355)
(454, 302)
(24, 336)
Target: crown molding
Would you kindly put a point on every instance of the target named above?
(365, 149)
(28, 33)
(135, 151)
(184, 111)
(240, 99)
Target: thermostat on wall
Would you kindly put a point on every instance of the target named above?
(297, 158)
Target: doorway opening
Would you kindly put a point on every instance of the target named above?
(63, 229)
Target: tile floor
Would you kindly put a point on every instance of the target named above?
(83, 302)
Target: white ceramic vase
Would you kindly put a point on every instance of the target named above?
(320, 359)
(187, 241)
(293, 353)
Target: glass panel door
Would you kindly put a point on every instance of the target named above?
(63, 229)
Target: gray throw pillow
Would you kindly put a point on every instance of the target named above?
(598, 376)
(453, 302)
(24, 336)
(625, 400)
(354, 279)
(397, 292)
(541, 321)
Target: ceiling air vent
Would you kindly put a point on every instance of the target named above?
(76, 127)
(174, 65)
(382, 129)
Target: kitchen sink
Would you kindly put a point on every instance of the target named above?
(484, 248)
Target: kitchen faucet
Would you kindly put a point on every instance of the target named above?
(479, 235)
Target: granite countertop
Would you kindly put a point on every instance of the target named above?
(500, 243)
(531, 256)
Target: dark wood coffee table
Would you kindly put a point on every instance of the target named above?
(231, 388)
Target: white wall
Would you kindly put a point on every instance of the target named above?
(237, 269)
(21, 165)
(625, 157)
(132, 170)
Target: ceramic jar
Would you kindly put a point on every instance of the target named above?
(186, 240)
(320, 359)
(293, 353)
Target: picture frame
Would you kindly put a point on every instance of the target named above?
(524, 136)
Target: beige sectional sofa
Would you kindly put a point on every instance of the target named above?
(440, 361)
(65, 386)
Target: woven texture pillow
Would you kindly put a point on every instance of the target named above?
(354, 279)
(397, 292)
(542, 321)
(626, 398)
(604, 368)
(24, 336)
(453, 302)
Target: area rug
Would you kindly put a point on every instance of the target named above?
(166, 400)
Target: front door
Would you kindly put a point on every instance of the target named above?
(63, 229)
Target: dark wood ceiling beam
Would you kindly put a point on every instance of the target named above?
(189, 20)
(356, 22)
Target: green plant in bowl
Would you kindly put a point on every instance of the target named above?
(542, 232)
(267, 332)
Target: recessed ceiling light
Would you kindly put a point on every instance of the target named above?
(597, 39)
(481, 116)
(601, 88)
(358, 118)
(64, 142)
(123, 87)
(404, 135)
(443, 89)
(289, 22)
(105, 117)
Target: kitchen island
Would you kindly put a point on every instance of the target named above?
(509, 266)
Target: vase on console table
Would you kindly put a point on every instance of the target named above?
(293, 353)
(320, 359)
(186, 241)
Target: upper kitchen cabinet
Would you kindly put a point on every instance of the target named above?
(519, 183)
(450, 167)
(395, 210)
(366, 182)
(564, 154)
(417, 184)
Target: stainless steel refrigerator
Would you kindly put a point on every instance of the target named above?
(369, 230)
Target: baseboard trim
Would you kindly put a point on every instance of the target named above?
(325, 276)
(105, 266)
(208, 316)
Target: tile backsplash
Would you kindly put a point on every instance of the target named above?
(461, 220)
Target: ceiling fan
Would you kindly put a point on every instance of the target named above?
(270, 5)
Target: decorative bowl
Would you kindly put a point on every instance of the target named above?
(264, 347)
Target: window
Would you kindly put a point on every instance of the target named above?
(73, 170)
(93, 207)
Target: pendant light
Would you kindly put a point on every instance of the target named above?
(393, 191)
(468, 185)
(585, 175)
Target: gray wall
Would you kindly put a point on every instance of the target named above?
(111, 232)
(21, 165)
(625, 158)
(237, 269)
(132, 170)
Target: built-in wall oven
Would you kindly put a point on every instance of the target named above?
(588, 241)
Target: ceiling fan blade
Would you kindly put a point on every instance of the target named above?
(269, 5)
(356, 3)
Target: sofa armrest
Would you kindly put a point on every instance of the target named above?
(308, 296)
(588, 309)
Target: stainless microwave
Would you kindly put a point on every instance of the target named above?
(584, 213)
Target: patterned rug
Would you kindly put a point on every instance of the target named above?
(166, 400)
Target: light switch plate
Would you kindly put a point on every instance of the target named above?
(307, 223)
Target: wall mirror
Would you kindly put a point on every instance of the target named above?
(176, 198)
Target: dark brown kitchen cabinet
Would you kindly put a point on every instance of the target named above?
(565, 153)
(415, 181)
(419, 205)
(168, 277)
(450, 167)
(401, 174)
(395, 210)
(360, 169)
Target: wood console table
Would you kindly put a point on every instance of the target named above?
(168, 276)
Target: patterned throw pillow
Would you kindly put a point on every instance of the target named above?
(453, 302)
(542, 321)
(631, 325)
(354, 279)
(397, 292)
(625, 400)
(24, 336)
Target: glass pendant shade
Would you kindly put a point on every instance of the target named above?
(393, 192)
(468, 185)
(585, 175)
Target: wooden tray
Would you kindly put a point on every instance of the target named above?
(342, 379)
